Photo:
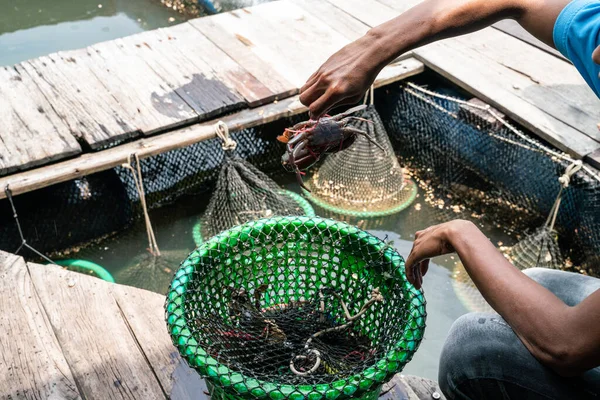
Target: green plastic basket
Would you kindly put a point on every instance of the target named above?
(295, 257)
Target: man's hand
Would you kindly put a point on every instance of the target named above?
(431, 242)
(344, 78)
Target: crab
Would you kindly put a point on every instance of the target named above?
(308, 141)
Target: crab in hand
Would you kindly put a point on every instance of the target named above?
(309, 140)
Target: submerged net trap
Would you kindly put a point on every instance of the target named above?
(363, 180)
(243, 193)
(295, 308)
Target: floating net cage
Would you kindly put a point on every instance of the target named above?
(243, 193)
(363, 180)
(295, 308)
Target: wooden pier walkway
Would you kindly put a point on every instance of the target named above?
(66, 335)
(90, 106)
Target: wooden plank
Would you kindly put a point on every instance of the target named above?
(344, 23)
(397, 389)
(90, 163)
(32, 363)
(130, 79)
(240, 51)
(593, 159)
(485, 80)
(145, 315)
(93, 119)
(268, 29)
(196, 84)
(538, 78)
(400, 6)
(36, 135)
(512, 28)
(198, 50)
(370, 12)
(104, 356)
(423, 388)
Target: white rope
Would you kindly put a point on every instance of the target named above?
(222, 131)
(564, 181)
(495, 115)
(139, 186)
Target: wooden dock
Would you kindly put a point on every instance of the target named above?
(86, 110)
(66, 335)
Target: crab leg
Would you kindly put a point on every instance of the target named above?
(365, 134)
(297, 138)
(348, 112)
(358, 119)
(295, 152)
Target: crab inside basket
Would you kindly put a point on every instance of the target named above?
(295, 307)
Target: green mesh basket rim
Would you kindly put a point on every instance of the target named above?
(368, 214)
(368, 380)
(309, 211)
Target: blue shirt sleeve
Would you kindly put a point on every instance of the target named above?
(577, 34)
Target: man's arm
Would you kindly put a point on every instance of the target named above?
(566, 339)
(345, 77)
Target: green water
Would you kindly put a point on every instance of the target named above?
(33, 28)
(173, 228)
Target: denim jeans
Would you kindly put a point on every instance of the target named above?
(484, 359)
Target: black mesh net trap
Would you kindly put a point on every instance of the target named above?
(295, 308)
(243, 193)
(363, 180)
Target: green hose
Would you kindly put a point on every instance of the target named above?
(86, 266)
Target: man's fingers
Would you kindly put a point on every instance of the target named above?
(309, 96)
(310, 81)
(322, 105)
(424, 267)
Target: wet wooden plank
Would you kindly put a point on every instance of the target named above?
(397, 389)
(130, 79)
(344, 23)
(93, 119)
(145, 316)
(198, 51)
(240, 50)
(510, 91)
(32, 133)
(370, 12)
(197, 84)
(104, 356)
(32, 363)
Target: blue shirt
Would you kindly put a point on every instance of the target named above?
(577, 34)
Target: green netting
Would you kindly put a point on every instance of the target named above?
(244, 305)
(363, 181)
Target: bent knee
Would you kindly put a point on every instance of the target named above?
(478, 345)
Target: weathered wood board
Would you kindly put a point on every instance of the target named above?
(196, 50)
(514, 92)
(137, 86)
(145, 316)
(32, 133)
(344, 23)
(104, 355)
(240, 51)
(512, 28)
(197, 84)
(270, 29)
(32, 362)
(370, 12)
(92, 116)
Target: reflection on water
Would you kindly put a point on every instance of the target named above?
(32, 28)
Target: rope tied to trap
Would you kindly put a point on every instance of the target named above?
(222, 132)
(564, 181)
(136, 172)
